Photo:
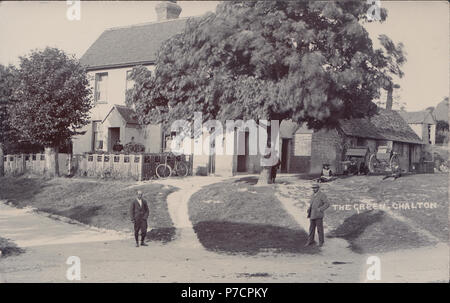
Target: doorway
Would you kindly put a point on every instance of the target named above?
(242, 159)
(113, 137)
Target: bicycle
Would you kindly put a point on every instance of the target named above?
(164, 170)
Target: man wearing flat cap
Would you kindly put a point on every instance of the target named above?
(318, 204)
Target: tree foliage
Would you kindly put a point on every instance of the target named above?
(8, 81)
(308, 61)
(52, 99)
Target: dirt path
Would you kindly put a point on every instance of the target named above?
(108, 256)
(412, 265)
(177, 203)
(298, 208)
(111, 257)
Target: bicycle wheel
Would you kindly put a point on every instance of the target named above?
(163, 171)
(182, 169)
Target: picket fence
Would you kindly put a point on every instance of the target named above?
(105, 166)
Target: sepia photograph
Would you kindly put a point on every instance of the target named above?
(231, 143)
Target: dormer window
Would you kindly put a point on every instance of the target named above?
(101, 85)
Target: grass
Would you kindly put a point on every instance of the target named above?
(377, 231)
(419, 188)
(7, 248)
(236, 217)
(103, 204)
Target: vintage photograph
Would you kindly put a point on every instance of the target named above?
(224, 142)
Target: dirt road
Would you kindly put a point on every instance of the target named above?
(109, 256)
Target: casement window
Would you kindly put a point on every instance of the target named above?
(101, 87)
(129, 83)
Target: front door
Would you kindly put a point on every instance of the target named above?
(113, 137)
(242, 159)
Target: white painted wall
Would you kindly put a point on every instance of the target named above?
(417, 128)
(149, 135)
(116, 84)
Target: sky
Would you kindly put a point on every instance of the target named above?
(422, 26)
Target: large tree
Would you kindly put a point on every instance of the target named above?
(52, 101)
(7, 134)
(312, 62)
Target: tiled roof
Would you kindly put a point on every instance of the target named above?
(386, 125)
(417, 117)
(128, 114)
(131, 45)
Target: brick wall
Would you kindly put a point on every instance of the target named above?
(297, 164)
(326, 147)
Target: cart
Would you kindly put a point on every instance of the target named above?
(384, 161)
(355, 160)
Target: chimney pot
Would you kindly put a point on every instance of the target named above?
(389, 99)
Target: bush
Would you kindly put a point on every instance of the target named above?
(133, 147)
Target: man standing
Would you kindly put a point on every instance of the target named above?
(139, 214)
(319, 203)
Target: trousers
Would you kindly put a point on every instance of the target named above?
(140, 225)
(313, 223)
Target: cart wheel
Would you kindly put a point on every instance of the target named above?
(394, 161)
(163, 171)
(372, 161)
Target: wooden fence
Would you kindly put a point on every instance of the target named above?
(32, 163)
(122, 166)
(107, 166)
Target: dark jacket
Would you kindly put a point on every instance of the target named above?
(319, 203)
(137, 212)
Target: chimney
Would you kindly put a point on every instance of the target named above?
(166, 10)
(389, 97)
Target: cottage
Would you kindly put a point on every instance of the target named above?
(109, 62)
(423, 123)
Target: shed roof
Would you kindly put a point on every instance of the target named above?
(418, 117)
(385, 125)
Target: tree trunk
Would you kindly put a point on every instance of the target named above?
(2, 163)
(265, 176)
(266, 171)
(51, 162)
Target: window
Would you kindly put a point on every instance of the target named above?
(101, 84)
(429, 133)
(129, 82)
(97, 143)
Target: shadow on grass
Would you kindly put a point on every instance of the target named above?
(251, 239)
(9, 249)
(19, 190)
(248, 180)
(83, 214)
(164, 235)
(355, 225)
(307, 176)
